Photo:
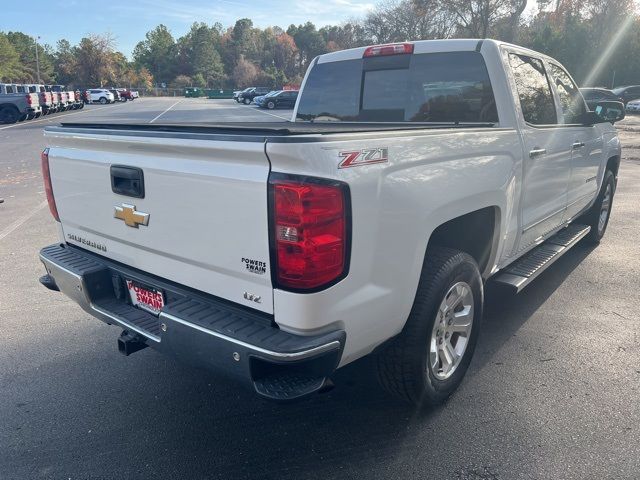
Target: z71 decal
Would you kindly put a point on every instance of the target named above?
(366, 156)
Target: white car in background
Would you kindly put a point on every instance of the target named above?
(100, 95)
(633, 106)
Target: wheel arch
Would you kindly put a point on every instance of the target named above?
(613, 164)
(476, 232)
(9, 105)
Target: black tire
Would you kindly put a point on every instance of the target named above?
(592, 217)
(271, 105)
(31, 116)
(403, 366)
(246, 101)
(23, 117)
(9, 115)
(103, 101)
(80, 105)
(38, 114)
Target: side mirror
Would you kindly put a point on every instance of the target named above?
(605, 111)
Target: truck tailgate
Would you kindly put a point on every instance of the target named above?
(206, 201)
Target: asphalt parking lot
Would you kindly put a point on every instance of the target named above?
(552, 393)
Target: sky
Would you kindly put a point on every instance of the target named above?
(129, 20)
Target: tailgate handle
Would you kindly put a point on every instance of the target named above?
(127, 181)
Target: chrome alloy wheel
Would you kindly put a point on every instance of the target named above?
(451, 331)
(605, 207)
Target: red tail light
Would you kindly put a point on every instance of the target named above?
(29, 99)
(310, 232)
(46, 175)
(388, 49)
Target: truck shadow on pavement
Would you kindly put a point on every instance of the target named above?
(149, 417)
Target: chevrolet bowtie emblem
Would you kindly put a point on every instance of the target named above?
(131, 217)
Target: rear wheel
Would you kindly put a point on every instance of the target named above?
(9, 115)
(598, 215)
(428, 360)
(103, 101)
(271, 105)
(246, 101)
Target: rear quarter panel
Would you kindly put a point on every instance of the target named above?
(430, 178)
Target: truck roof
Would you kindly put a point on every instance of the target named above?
(425, 46)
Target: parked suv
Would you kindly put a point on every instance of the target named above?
(595, 95)
(247, 97)
(278, 99)
(628, 93)
(100, 95)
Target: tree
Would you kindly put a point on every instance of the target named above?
(145, 79)
(245, 73)
(398, 21)
(157, 53)
(198, 54)
(95, 61)
(65, 62)
(309, 41)
(348, 35)
(285, 54)
(10, 66)
(476, 18)
(182, 81)
(25, 45)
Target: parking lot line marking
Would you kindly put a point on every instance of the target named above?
(166, 111)
(18, 223)
(272, 114)
(46, 119)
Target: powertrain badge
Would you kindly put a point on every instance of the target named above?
(366, 156)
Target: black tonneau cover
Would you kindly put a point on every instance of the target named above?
(271, 129)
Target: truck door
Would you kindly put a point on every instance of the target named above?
(547, 152)
(586, 142)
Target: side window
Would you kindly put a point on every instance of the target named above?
(536, 99)
(570, 99)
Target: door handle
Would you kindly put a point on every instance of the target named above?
(537, 152)
(577, 145)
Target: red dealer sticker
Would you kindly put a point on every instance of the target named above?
(148, 299)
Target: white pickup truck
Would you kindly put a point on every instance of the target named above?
(409, 176)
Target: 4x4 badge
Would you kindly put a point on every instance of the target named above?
(366, 156)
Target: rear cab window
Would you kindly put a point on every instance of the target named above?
(448, 87)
